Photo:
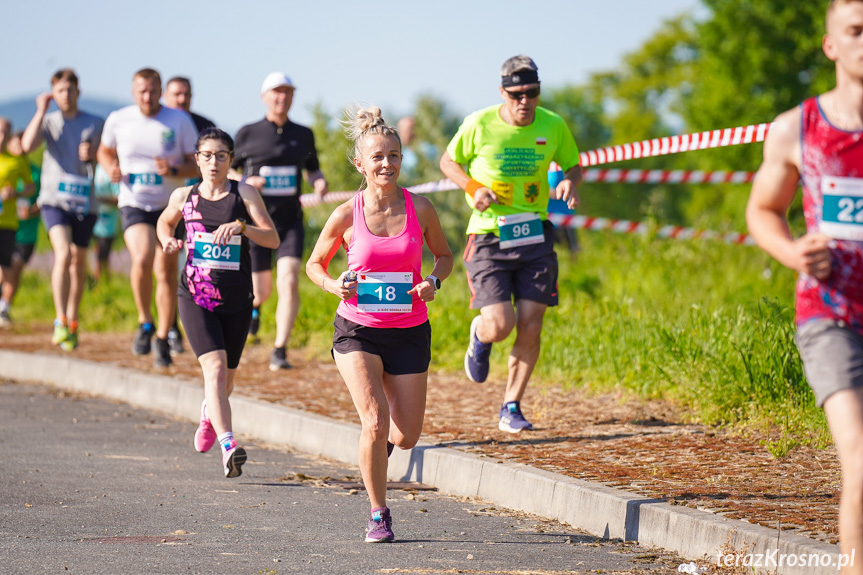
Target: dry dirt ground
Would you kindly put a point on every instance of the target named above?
(639, 446)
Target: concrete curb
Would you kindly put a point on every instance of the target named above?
(599, 510)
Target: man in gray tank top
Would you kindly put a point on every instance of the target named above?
(66, 199)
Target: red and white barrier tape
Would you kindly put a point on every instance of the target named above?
(627, 227)
(591, 175)
(667, 176)
(675, 144)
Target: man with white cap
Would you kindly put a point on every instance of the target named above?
(272, 154)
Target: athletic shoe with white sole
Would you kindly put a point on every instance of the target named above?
(511, 418)
(476, 357)
(380, 527)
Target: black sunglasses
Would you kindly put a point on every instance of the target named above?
(530, 93)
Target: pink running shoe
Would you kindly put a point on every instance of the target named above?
(233, 461)
(205, 435)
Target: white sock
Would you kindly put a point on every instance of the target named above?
(4, 305)
(226, 441)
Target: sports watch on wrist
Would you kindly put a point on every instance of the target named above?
(435, 282)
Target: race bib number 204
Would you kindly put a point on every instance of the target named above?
(207, 254)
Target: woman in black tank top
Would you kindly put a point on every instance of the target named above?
(215, 292)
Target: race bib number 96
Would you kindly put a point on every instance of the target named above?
(206, 254)
(520, 230)
(384, 292)
(842, 210)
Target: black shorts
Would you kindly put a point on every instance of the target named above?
(525, 272)
(24, 252)
(403, 350)
(211, 331)
(131, 216)
(82, 226)
(291, 237)
(7, 246)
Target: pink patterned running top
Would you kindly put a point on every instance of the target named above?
(832, 204)
(368, 253)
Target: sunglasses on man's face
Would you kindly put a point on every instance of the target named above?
(531, 93)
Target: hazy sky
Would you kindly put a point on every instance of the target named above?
(336, 52)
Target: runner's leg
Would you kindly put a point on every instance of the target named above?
(406, 396)
(165, 269)
(844, 410)
(525, 350)
(78, 281)
(363, 374)
(288, 290)
(141, 243)
(61, 241)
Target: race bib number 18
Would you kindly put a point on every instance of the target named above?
(384, 292)
(520, 230)
(206, 254)
(842, 210)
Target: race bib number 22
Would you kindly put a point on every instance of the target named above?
(842, 210)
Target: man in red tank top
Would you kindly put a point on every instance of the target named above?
(821, 142)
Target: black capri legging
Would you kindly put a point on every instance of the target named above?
(210, 331)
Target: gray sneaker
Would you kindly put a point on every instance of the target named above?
(175, 341)
(141, 343)
(279, 360)
(162, 352)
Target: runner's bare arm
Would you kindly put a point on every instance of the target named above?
(110, 162)
(318, 182)
(32, 137)
(435, 239)
(773, 191)
(169, 219)
(483, 197)
(567, 189)
(336, 232)
(261, 229)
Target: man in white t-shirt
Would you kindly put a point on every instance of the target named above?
(149, 149)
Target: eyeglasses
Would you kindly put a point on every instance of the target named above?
(531, 93)
(220, 156)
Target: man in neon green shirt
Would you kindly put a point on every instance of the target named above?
(500, 157)
(14, 172)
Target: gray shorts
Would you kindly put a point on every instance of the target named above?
(832, 357)
(526, 272)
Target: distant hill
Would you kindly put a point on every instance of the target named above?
(21, 110)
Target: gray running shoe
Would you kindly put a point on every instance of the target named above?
(175, 341)
(141, 343)
(279, 360)
(163, 353)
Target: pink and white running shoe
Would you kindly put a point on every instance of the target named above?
(205, 435)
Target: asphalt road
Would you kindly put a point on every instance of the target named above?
(93, 486)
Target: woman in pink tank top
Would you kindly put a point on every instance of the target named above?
(382, 340)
